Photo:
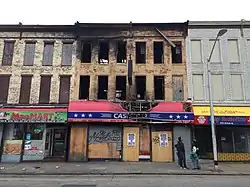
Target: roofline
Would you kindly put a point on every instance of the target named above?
(219, 24)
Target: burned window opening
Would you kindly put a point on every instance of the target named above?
(140, 82)
(158, 53)
(177, 53)
(121, 52)
(102, 87)
(104, 52)
(159, 87)
(86, 52)
(140, 52)
(121, 87)
(84, 87)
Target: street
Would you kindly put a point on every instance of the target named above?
(124, 181)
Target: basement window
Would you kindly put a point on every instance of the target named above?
(102, 87)
(177, 53)
(103, 52)
(86, 52)
(140, 82)
(121, 87)
(84, 87)
(121, 52)
(159, 87)
(158, 53)
(140, 52)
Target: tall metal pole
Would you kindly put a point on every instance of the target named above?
(210, 93)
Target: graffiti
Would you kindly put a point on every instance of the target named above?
(103, 136)
(156, 139)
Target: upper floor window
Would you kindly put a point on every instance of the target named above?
(216, 57)
(8, 51)
(233, 51)
(64, 89)
(44, 96)
(4, 80)
(104, 52)
(86, 51)
(24, 97)
(140, 50)
(196, 55)
(121, 52)
(158, 52)
(48, 52)
(67, 49)
(178, 88)
(237, 87)
(29, 53)
(177, 53)
(218, 87)
(198, 87)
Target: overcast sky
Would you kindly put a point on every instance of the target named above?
(70, 11)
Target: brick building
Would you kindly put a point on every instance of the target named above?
(230, 86)
(36, 70)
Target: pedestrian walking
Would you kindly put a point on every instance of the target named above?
(181, 153)
(194, 156)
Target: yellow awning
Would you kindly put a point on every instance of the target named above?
(222, 111)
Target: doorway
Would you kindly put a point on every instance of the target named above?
(55, 144)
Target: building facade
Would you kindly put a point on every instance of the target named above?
(36, 75)
(136, 66)
(230, 69)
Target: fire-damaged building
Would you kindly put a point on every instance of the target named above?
(130, 92)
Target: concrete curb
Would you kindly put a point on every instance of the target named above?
(123, 174)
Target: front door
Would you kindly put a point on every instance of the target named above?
(55, 145)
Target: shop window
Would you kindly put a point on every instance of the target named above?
(34, 132)
(13, 132)
(225, 140)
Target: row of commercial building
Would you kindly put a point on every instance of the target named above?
(124, 92)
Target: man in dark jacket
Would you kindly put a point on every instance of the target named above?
(181, 153)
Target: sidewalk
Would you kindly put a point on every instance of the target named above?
(119, 168)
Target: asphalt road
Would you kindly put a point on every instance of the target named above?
(125, 181)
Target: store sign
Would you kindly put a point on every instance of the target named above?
(223, 120)
(19, 116)
(222, 111)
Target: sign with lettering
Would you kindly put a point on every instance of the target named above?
(222, 111)
(223, 120)
(33, 117)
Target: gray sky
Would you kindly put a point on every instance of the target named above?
(70, 11)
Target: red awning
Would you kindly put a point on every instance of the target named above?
(95, 106)
(168, 107)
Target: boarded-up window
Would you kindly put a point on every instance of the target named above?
(29, 53)
(64, 89)
(218, 87)
(237, 87)
(178, 92)
(4, 80)
(198, 88)
(25, 89)
(8, 51)
(216, 53)
(48, 53)
(45, 89)
(196, 56)
(67, 48)
(233, 51)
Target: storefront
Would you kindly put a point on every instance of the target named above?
(170, 120)
(27, 133)
(96, 130)
(232, 131)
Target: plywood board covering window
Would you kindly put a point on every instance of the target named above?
(196, 56)
(248, 49)
(4, 80)
(67, 49)
(64, 89)
(25, 89)
(233, 51)
(198, 88)
(8, 51)
(29, 53)
(216, 58)
(217, 87)
(48, 53)
(237, 87)
(45, 84)
(178, 90)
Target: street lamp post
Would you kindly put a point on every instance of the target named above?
(210, 92)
